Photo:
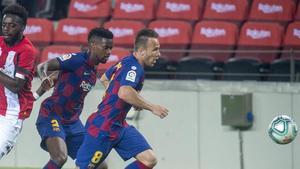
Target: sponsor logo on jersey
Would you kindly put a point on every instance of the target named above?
(85, 86)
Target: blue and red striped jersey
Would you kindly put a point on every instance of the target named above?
(76, 78)
(112, 110)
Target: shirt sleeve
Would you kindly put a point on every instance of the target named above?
(25, 67)
(69, 62)
(131, 75)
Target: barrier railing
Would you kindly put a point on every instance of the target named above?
(218, 73)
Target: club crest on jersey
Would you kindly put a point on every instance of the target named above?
(65, 57)
(131, 75)
(85, 86)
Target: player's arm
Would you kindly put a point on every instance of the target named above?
(106, 77)
(104, 81)
(23, 71)
(45, 86)
(13, 84)
(45, 67)
(131, 96)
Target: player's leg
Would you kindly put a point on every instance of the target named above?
(133, 144)
(10, 129)
(145, 160)
(103, 165)
(75, 138)
(93, 151)
(96, 145)
(53, 141)
(57, 149)
(73, 144)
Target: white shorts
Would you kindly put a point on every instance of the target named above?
(10, 128)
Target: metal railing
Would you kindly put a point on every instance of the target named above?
(172, 73)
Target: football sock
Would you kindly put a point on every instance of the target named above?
(137, 165)
(51, 165)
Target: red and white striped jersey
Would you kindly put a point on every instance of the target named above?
(17, 61)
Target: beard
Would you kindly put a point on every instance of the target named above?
(11, 41)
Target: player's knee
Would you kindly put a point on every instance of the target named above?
(60, 159)
(149, 160)
(152, 161)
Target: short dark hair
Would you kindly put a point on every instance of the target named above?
(142, 38)
(100, 32)
(18, 10)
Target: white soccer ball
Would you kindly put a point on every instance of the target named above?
(283, 129)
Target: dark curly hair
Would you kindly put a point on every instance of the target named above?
(18, 10)
(100, 32)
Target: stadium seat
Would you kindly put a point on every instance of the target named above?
(124, 31)
(39, 31)
(116, 55)
(179, 9)
(227, 10)
(256, 38)
(242, 69)
(173, 35)
(214, 36)
(91, 9)
(195, 68)
(272, 10)
(73, 31)
(292, 39)
(297, 14)
(54, 51)
(280, 70)
(134, 9)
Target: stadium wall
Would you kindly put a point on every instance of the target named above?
(192, 136)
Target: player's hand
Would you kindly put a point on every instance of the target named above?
(160, 111)
(47, 83)
(41, 71)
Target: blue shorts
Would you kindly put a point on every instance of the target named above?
(72, 134)
(94, 150)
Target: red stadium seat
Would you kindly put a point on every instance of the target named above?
(179, 9)
(172, 35)
(124, 31)
(53, 51)
(260, 36)
(73, 31)
(272, 10)
(91, 9)
(228, 10)
(134, 9)
(39, 31)
(297, 15)
(116, 55)
(292, 39)
(214, 35)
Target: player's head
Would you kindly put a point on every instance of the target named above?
(147, 46)
(14, 19)
(100, 42)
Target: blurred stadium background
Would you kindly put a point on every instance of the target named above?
(210, 48)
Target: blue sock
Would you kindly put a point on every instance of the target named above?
(137, 165)
(51, 165)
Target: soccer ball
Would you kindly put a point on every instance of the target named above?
(282, 129)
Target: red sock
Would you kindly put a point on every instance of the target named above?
(51, 165)
(137, 165)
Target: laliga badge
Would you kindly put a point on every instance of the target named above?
(131, 75)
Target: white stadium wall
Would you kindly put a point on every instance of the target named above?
(192, 136)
